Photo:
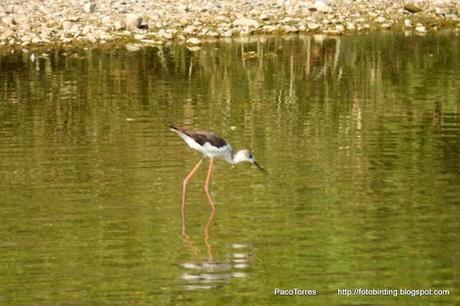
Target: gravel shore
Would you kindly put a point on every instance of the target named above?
(26, 24)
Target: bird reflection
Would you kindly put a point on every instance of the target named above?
(210, 273)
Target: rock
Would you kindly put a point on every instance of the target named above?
(313, 26)
(380, 19)
(164, 34)
(191, 29)
(264, 17)
(290, 29)
(340, 28)
(7, 34)
(133, 21)
(26, 27)
(8, 20)
(227, 34)
(411, 7)
(441, 3)
(106, 20)
(221, 18)
(67, 25)
(440, 11)
(20, 20)
(194, 48)
(133, 47)
(420, 28)
(320, 6)
(407, 23)
(193, 41)
(246, 22)
(89, 7)
(118, 25)
(139, 36)
(91, 38)
(386, 25)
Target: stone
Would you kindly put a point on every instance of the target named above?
(264, 17)
(8, 20)
(133, 21)
(321, 6)
(386, 25)
(67, 25)
(440, 11)
(290, 29)
(118, 25)
(191, 29)
(139, 36)
(7, 34)
(420, 28)
(89, 7)
(313, 26)
(227, 34)
(91, 37)
(193, 41)
(133, 47)
(246, 22)
(380, 19)
(351, 26)
(411, 7)
(340, 28)
(106, 20)
(407, 23)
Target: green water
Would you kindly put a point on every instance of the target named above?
(360, 136)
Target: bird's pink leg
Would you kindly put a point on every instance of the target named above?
(206, 185)
(184, 190)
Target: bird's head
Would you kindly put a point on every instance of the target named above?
(246, 155)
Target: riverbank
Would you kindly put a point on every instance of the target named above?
(28, 24)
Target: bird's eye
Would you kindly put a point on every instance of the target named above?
(250, 156)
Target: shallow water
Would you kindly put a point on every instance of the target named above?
(360, 136)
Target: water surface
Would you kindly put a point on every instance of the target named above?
(360, 136)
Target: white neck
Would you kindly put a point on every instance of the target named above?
(239, 157)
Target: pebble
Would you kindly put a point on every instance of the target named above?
(67, 25)
(133, 21)
(106, 20)
(407, 23)
(118, 25)
(228, 33)
(264, 17)
(420, 28)
(321, 6)
(412, 7)
(193, 41)
(313, 26)
(246, 22)
(8, 20)
(90, 7)
(133, 47)
(156, 22)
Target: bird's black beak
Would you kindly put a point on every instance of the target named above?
(260, 167)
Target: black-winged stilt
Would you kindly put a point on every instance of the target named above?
(212, 147)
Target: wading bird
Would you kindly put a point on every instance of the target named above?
(212, 147)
